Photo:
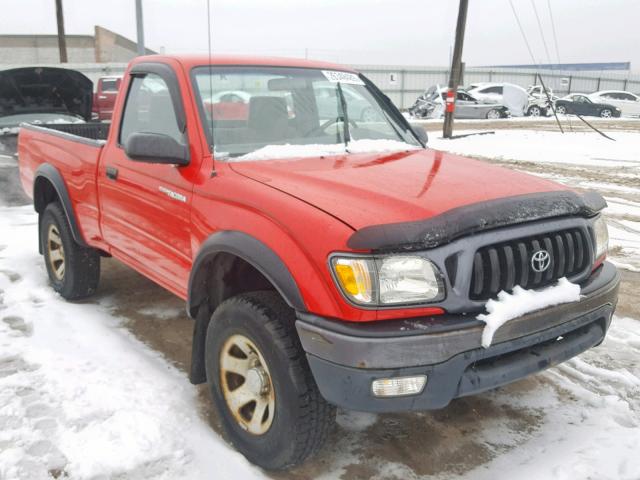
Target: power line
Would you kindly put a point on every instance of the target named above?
(553, 29)
(524, 35)
(544, 41)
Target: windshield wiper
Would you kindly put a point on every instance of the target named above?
(345, 117)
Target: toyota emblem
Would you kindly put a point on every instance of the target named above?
(540, 261)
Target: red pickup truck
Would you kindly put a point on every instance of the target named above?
(326, 259)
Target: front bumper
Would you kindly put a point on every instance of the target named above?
(345, 358)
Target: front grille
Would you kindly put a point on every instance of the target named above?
(505, 265)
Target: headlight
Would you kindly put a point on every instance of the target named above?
(388, 280)
(602, 237)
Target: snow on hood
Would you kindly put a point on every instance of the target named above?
(271, 152)
(521, 301)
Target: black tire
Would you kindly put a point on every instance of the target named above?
(606, 113)
(302, 418)
(561, 110)
(81, 265)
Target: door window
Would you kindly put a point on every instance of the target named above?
(493, 90)
(110, 85)
(627, 96)
(149, 109)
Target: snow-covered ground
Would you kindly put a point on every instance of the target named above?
(584, 160)
(82, 398)
(79, 394)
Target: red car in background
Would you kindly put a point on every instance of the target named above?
(105, 97)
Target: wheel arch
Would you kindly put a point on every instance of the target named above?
(48, 187)
(252, 251)
(212, 281)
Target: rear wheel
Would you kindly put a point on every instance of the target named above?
(494, 114)
(74, 270)
(606, 113)
(261, 385)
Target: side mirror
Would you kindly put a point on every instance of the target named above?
(421, 133)
(156, 148)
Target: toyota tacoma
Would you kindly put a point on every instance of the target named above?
(327, 258)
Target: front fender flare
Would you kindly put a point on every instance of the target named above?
(253, 251)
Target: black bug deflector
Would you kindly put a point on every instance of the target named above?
(471, 219)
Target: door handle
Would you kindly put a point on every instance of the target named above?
(112, 173)
(102, 97)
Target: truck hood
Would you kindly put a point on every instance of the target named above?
(47, 90)
(372, 189)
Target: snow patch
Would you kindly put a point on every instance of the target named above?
(271, 152)
(521, 301)
(80, 395)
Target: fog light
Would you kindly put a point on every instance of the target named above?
(398, 386)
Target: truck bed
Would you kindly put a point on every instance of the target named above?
(91, 131)
(73, 151)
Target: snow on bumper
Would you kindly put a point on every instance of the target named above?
(345, 359)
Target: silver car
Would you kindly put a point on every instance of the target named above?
(467, 106)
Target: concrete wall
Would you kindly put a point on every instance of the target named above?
(104, 46)
(36, 49)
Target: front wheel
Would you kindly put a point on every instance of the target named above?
(74, 270)
(494, 114)
(262, 388)
(606, 113)
(534, 111)
(561, 110)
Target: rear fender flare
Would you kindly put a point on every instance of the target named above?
(48, 174)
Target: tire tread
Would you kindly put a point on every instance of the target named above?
(317, 416)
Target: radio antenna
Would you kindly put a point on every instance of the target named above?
(210, 77)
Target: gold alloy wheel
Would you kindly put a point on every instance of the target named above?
(246, 385)
(55, 252)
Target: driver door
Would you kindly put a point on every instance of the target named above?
(145, 207)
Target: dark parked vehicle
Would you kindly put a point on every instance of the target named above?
(582, 105)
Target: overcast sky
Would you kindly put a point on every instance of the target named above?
(398, 32)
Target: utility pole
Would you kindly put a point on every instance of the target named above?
(456, 70)
(140, 28)
(62, 41)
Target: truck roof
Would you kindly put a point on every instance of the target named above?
(191, 61)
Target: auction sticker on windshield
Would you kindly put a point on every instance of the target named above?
(342, 77)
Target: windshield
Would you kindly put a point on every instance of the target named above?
(248, 109)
